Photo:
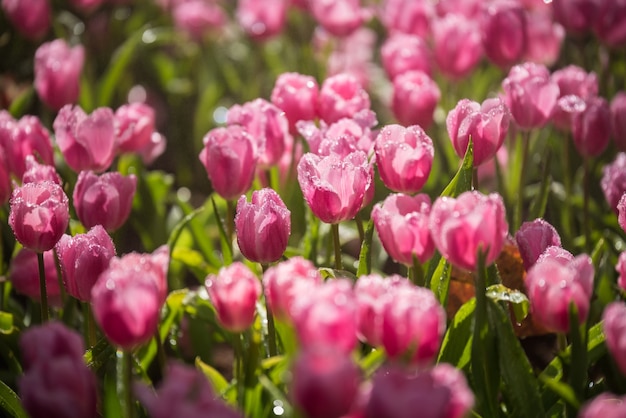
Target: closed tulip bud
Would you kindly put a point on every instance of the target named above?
(262, 20)
(604, 405)
(24, 275)
(487, 125)
(134, 126)
(154, 265)
(57, 73)
(104, 199)
(341, 96)
(614, 327)
(87, 142)
(555, 283)
(296, 95)
(327, 316)
(610, 23)
(82, 259)
(530, 95)
(285, 282)
(401, 53)
(544, 38)
(234, 292)
(613, 180)
(591, 129)
(457, 45)
(504, 32)
(325, 382)
(415, 97)
(334, 187)
(198, 18)
(618, 120)
(470, 223)
(404, 157)
(230, 157)
(39, 215)
(408, 16)
(401, 222)
(439, 392)
(533, 238)
(36, 172)
(338, 17)
(30, 17)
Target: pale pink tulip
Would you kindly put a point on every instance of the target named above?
(407, 16)
(296, 95)
(457, 45)
(57, 73)
(338, 17)
(341, 96)
(262, 20)
(401, 53)
(603, 406)
(134, 126)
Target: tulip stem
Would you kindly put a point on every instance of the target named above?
(586, 229)
(335, 232)
(359, 226)
(271, 328)
(519, 209)
(90, 325)
(42, 288)
(416, 273)
(239, 369)
(128, 382)
(160, 351)
(230, 222)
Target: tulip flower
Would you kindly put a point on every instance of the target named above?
(555, 283)
(401, 53)
(325, 382)
(296, 95)
(407, 16)
(610, 23)
(31, 18)
(576, 16)
(533, 238)
(234, 292)
(87, 142)
(36, 172)
(613, 180)
(338, 17)
(334, 187)
(504, 32)
(591, 129)
(82, 259)
(487, 125)
(57, 73)
(263, 226)
(441, 391)
(198, 17)
(404, 157)
(154, 264)
(573, 79)
(470, 223)
(5, 178)
(618, 120)
(415, 96)
(24, 275)
(621, 270)
(614, 328)
(401, 222)
(39, 215)
(604, 405)
(153, 149)
(457, 45)
(544, 37)
(341, 96)
(104, 200)
(230, 157)
(134, 126)
(262, 20)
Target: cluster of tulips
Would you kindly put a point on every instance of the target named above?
(313, 271)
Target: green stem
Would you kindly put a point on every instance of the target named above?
(519, 208)
(60, 277)
(42, 288)
(416, 273)
(160, 351)
(335, 232)
(586, 228)
(239, 370)
(128, 384)
(359, 225)
(271, 328)
(230, 222)
(90, 325)
(567, 184)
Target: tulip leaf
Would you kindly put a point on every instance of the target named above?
(372, 361)
(198, 233)
(194, 261)
(10, 402)
(287, 336)
(227, 252)
(538, 206)
(439, 279)
(456, 345)
(329, 273)
(21, 103)
(516, 299)
(563, 390)
(462, 181)
(365, 256)
(220, 385)
(6, 323)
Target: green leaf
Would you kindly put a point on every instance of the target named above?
(10, 402)
(515, 298)
(194, 261)
(439, 280)
(365, 256)
(462, 181)
(287, 336)
(227, 253)
(456, 345)
(6, 323)
(98, 355)
(563, 390)
(218, 382)
(21, 103)
(112, 401)
(538, 206)
(330, 273)
(372, 361)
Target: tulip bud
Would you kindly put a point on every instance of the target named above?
(618, 120)
(338, 17)
(610, 23)
(591, 129)
(604, 405)
(457, 45)
(104, 200)
(415, 96)
(613, 180)
(504, 32)
(408, 16)
(57, 73)
(401, 53)
(262, 20)
(30, 17)
(36, 172)
(234, 292)
(296, 95)
(24, 275)
(198, 17)
(533, 238)
(576, 16)
(614, 328)
(341, 96)
(134, 126)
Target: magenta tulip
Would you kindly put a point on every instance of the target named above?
(230, 157)
(296, 95)
(87, 142)
(603, 406)
(134, 126)
(613, 180)
(470, 223)
(401, 222)
(105, 199)
(31, 18)
(504, 32)
(341, 96)
(82, 259)
(621, 212)
(262, 20)
(36, 172)
(414, 99)
(457, 45)
(234, 292)
(334, 187)
(620, 267)
(533, 238)
(618, 120)
(24, 275)
(407, 16)
(544, 37)
(591, 129)
(614, 327)
(401, 53)
(576, 16)
(610, 23)
(57, 73)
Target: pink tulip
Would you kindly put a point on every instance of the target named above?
(234, 292)
(134, 126)
(31, 18)
(613, 180)
(603, 406)
(56, 381)
(401, 53)
(487, 125)
(104, 200)
(472, 9)
(544, 38)
(504, 32)
(230, 157)
(262, 20)
(566, 110)
(621, 270)
(327, 316)
(198, 17)
(82, 258)
(325, 382)
(185, 391)
(153, 149)
(591, 129)
(36, 172)
(401, 222)
(39, 215)
(457, 44)
(155, 265)
(267, 124)
(341, 96)
(575, 80)
(618, 120)
(470, 223)
(296, 95)
(57, 73)
(334, 187)
(413, 323)
(353, 55)
(338, 17)
(404, 157)
(555, 283)
(263, 226)
(24, 275)
(556, 253)
(610, 23)
(354, 132)
(415, 96)
(533, 238)
(614, 327)
(407, 16)
(438, 392)
(372, 293)
(87, 142)
(576, 16)
(621, 212)
(530, 94)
